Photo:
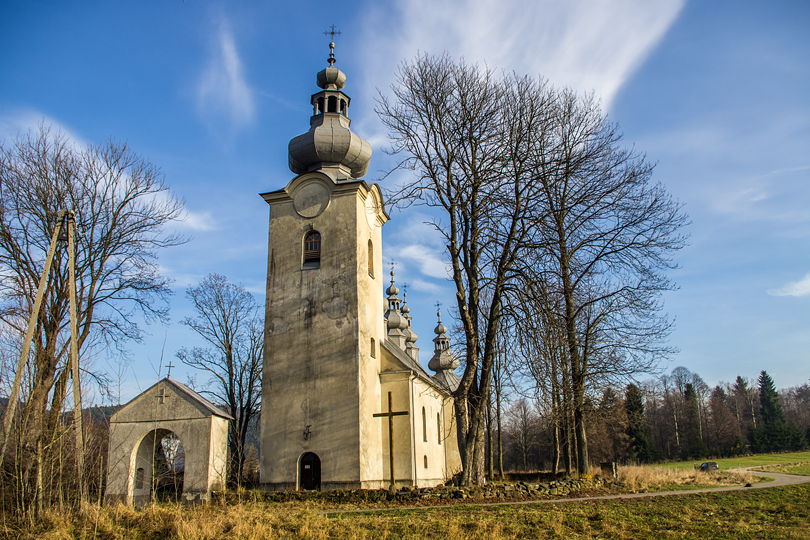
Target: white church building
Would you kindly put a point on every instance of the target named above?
(346, 403)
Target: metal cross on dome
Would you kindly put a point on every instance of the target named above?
(332, 32)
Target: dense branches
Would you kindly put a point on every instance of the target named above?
(646, 425)
(227, 318)
(467, 135)
(121, 208)
(552, 229)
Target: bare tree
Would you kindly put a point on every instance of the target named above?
(466, 134)
(227, 318)
(122, 208)
(521, 424)
(611, 232)
(539, 203)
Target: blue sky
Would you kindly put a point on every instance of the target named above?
(716, 93)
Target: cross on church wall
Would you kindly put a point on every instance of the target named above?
(390, 415)
(162, 395)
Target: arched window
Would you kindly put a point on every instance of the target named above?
(319, 107)
(343, 106)
(439, 427)
(373, 348)
(424, 425)
(370, 259)
(331, 104)
(312, 249)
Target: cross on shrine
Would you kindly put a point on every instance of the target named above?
(162, 396)
(169, 366)
(390, 415)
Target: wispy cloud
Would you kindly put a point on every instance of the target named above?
(22, 121)
(590, 46)
(426, 259)
(794, 288)
(224, 98)
(197, 221)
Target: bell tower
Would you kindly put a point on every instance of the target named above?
(324, 320)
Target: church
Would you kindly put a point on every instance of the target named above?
(345, 401)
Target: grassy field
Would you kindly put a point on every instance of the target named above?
(757, 460)
(652, 478)
(767, 513)
(771, 513)
(801, 468)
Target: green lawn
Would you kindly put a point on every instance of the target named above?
(756, 460)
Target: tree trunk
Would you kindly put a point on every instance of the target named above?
(490, 457)
(500, 434)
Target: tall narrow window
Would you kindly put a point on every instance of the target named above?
(370, 259)
(424, 425)
(319, 108)
(312, 250)
(439, 427)
(331, 104)
(373, 348)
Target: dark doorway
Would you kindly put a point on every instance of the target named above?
(309, 473)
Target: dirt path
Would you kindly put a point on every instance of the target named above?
(779, 480)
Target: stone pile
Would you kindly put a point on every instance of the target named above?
(491, 491)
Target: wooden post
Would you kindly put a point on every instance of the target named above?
(390, 415)
(29, 336)
(74, 354)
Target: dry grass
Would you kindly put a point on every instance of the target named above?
(646, 478)
(772, 513)
(800, 468)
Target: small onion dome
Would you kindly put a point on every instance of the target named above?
(440, 328)
(331, 78)
(411, 336)
(392, 289)
(443, 360)
(395, 321)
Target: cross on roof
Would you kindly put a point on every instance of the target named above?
(332, 32)
(169, 366)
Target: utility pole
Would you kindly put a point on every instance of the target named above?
(66, 219)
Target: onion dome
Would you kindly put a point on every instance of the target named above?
(410, 334)
(329, 143)
(393, 316)
(443, 358)
(440, 328)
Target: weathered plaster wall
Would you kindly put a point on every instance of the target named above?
(319, 323)
(132, 443)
